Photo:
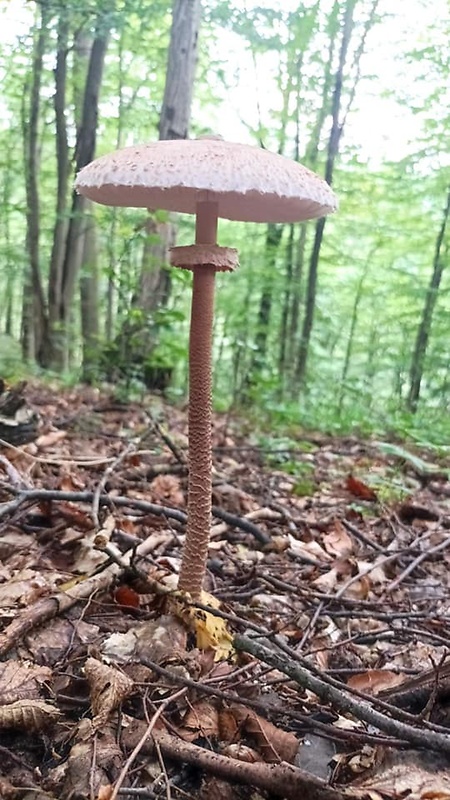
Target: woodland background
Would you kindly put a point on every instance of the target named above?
(339, 324)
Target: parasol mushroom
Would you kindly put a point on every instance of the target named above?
(210, 178)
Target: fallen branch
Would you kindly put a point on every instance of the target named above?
(282, 779)
(342, 699)
(270, 710)
(50, 607)
(36, 495)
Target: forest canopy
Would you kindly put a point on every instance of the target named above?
(337, 324)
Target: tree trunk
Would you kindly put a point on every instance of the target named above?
(34, 317)
(89, 303)
(337, 127)
(155, 279)
(181, 64)
(273, 237)
(423, 333)
(351, 336)
(45, 353)
(287, 300)
(111, 293)
(84, 153)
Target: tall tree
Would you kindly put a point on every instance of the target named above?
(338, 119)
(84, 153)
(441, 256)
(45, 351)
(155, 278)
(34, 321)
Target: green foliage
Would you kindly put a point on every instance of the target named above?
(377, 251)
(11, 362)
(290, 455)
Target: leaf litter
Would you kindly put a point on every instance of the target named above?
(317, 662)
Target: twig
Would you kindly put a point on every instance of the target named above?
(27, 495)
(82, 462)
(102, 483)
(414, 564)
(381, 562)
(243, 524)
(135, 752)
(282, 779)
(268, 709)
(362, 537)
(14, 476)
(342, 699)
(50, 607)
(174, 449)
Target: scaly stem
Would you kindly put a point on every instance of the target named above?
(195, 551)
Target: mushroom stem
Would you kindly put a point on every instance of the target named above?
(195, 551)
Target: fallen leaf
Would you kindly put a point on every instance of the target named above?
(22, 680)
(49, 439)
(273, 743)
(167, 489)
(211, 631)
(202, 719)
(338, 542)
(109, 687)
(28, 715)
(360, 489)
(374, 681)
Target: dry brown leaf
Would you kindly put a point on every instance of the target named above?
(309, 549)
(28, 715)
(420, 775)
(228, 726)
(202, 719)
(48, 642)
(161, 640)
(95, 760)
(273, 743)
(75, 516)
(374, 681)
(105, 792)
(220, 789)
(167, 489)
(23, 588)
(337, 541)
(109, 688)
(327, 581)
(70, 482)
(21, 681)
(242, 752)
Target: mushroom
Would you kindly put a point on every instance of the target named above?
(210, 178)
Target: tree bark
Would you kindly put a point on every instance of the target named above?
(45, 352)
(155, 279)
(84, 153)
(423, 332)
(34, 314)
(273, 238)
(337, 126)
(181, 64)
(89, 303)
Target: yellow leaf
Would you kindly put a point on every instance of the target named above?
(211, 631)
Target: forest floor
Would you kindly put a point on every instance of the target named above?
(322, 672)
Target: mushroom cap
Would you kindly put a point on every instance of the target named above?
(248, 183)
